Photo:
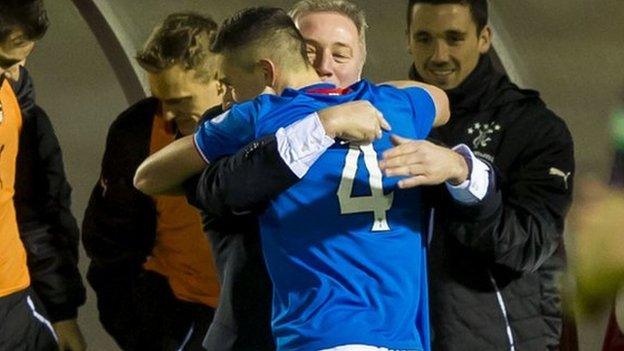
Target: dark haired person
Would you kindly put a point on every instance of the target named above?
(493, 280)
(334, 31)
(41, 205)
(352, 280)
(151, 264)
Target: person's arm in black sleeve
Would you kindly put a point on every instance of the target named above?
(223, 188)
(527, 228)
(244, 182)
(53, 262)
(47, 227)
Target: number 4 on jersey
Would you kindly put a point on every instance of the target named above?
(377, 202)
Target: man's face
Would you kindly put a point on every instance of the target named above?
(333, 46)
(242, 84)
(444, 43)
(184, 96)
(14, 49)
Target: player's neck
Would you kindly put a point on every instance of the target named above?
(298, 80)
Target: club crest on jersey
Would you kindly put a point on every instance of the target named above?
(482, 133)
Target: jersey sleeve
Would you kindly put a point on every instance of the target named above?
(424, 110)
(226, 133)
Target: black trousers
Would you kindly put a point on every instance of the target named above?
(24, 325)
(141, 312)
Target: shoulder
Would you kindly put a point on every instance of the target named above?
(251, 109)
(137, 115)
(533, 115)
(412, 90)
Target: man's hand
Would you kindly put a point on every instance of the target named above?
(356, 121)
(69, 336)
(424, 163)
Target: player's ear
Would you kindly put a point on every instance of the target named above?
(485, 39)
(269, 71)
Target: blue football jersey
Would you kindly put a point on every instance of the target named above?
(344, 247)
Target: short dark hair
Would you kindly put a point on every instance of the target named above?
(183, 38)
(28, 15)
(478, 10)
(263, 28)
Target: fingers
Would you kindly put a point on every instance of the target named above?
(403, 146)
(383, 122)
(400, 161)
(397, 140)
(413, 182)
(404, 171)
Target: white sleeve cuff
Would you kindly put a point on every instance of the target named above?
(475, 187)
(302, 143)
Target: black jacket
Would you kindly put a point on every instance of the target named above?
(499, 269)
(42, 203)
(119, 226)
(242, 320)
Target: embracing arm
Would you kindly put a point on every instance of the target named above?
(439, 97)
(266, 167)
(527, 227)
(165, 171)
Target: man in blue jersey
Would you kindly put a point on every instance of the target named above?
(345, 251)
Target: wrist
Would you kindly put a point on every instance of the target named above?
(329, 125)
(462, 170)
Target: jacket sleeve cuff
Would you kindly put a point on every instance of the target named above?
(474, 189)
(302, 143)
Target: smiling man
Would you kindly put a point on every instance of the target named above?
(502, 270)
(442, 41)
(335, 35)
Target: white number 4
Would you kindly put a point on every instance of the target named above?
(377, 202)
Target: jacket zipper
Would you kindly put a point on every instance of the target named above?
(501, 304)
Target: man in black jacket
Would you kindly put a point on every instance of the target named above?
(46, 226)
(493, 280)
(151, 265)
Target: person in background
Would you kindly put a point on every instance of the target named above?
(500, 269)
(41, 205)
(151, 264)
(597, 257)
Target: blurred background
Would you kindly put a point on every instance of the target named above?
(572, 51)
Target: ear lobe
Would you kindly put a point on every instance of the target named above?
(269, 72)
(485, 39)
(220, 89)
